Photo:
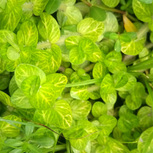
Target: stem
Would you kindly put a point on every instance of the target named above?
(44, 44)
(104, 7)
(131, 17)
(143, 31)
(83, 83)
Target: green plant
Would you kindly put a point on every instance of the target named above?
(76, 76)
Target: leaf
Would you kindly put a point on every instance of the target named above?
(27, 34)
(24, 71)
(107, 91)
(59, 115)
(110, 23)
(80, 93)
(99, 109)
(39, 6)
(124, 81)
(18, 99)
(48, 60)
(107, 123)
(145, 141)
(145, 117)
(12, 86)
(127, 122)
(72, 41)
(30, 85)
(111, 3)
(49, 91)
(99, 70)
(97, 13)
(70, 16)
(80, 109)
(132, 48)
(91, 50)
(142, 11)
(77, 56)
(117, 46)
(48, 28)
(146, 1)
(11, 16)
(5, 99)
(4, 80)
(12, 54)
(90, 28)
(52, 6)
(7, 36)
(9, 130)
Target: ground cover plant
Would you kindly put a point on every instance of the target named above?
(76, 76)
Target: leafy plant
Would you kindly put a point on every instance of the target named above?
(76, 76)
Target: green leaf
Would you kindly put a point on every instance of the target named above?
(24, 71)
(48, 28)
(7, 36)
(117, 46)
(49, 91)
(4, 80)
(111, 23)
(145, 143)
(124, 81)
(113, 62)
(27, 34)
(18, 99)
(91, 50)
(59, 115)
(99, 70)
(39, 6)
(128, 122)
(146, 1)
(80, 109)
(90, 28)
(142, 10)
(71, 16)
(11, 16)
(133, 102)
(112, 145)
(12, 54)
(107, 123)
(111, 3)
(52, 6)
(145, 117)
(77, 56)
(99, 109)
(8, 129)
(5, 99)
(48, 60)
(44, 138)
(72, 41)
(30, 85)
(132, 48)
(97, 13)
(107, 91)
(12, 86)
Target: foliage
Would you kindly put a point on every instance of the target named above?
(76, 76)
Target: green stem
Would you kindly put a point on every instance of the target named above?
(104, 7)
(131, 17)
(44, 44)
(83, 83)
